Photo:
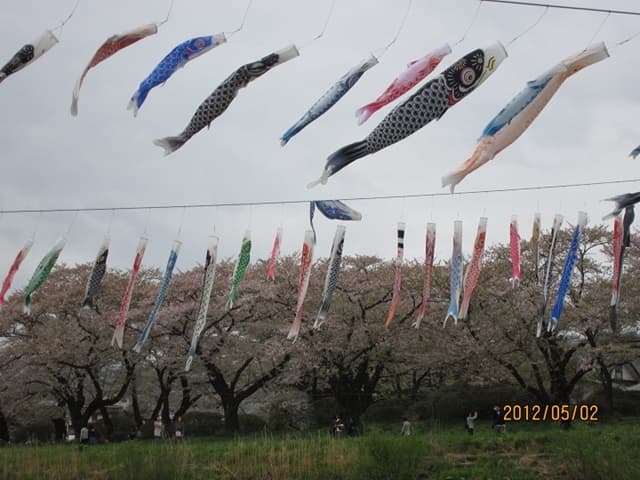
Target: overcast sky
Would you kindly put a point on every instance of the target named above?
(105, 157)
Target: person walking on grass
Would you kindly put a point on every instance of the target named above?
(406, 427)
(471, 418)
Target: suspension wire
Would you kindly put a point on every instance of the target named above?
(564, 7)
(36, 226)
(384, 49)
(628, 39)
(184, 209)
(73, 221)
(599, 29)
(529, 28)
(146, 223)
(63, 22)
(113, 214)
(292, 202)
(166, 19)
(473, 21)
(244, 18)
(324, 28)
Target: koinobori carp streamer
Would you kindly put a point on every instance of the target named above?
(118, 334)
(333, 271)
(472, 274)
(13, 269)
(622, 241)
(622, 202)
(333, 210)
(514, 249)
(275, 251)
(429, 103)
(175, 59)
(617, 268)
(429, 252)
(397, 283)
(303, 283)
(97, 272)
(514, 119)
(535, 245)
(42, 272)
(110, 47)
(567, 270)
(329, 98)
(207, 286)
(162, 293)
(28, 53)
(415, 72)
(240, 269)
(551, 257)
(455, 278)
(220, 99)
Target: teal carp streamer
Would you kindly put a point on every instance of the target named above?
(43, 270)
(241, 268)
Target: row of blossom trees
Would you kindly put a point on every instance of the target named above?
(62, 355)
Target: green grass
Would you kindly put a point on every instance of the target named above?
(524, 452)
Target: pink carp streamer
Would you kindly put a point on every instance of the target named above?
(535, 245)
(617, 260)
(275, 251)
(415, 72)
(473, 270)
(118, 335)
(303, 282)
(429, 250)
(395, 300)
(15, 266)
(514, 247)
(112, 45)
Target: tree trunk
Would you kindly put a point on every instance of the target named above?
(353, 391)
(106, 419)
(135, 405)
(231, 420)
(59, 428)
(4, 428)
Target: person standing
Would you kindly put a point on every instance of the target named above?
(471, 418)
(498, 419)
(158, 429)
(84, 435)
(406, 427)
(179, 429)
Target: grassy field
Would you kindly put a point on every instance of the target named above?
(597, 451)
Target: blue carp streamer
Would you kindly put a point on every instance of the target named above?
(565, 279)
(164, 287)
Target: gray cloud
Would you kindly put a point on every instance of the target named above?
(105, 156)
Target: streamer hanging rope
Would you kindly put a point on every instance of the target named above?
(306, 201)
(473, 21)
(166, 19)
(380, 52)
(531, 27)
(599, 29)
(63, 23)
(324, 27)
(244, 18)
(564, 7)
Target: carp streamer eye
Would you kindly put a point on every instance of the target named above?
(467, 76)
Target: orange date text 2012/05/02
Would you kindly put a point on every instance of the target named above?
(554, 413)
